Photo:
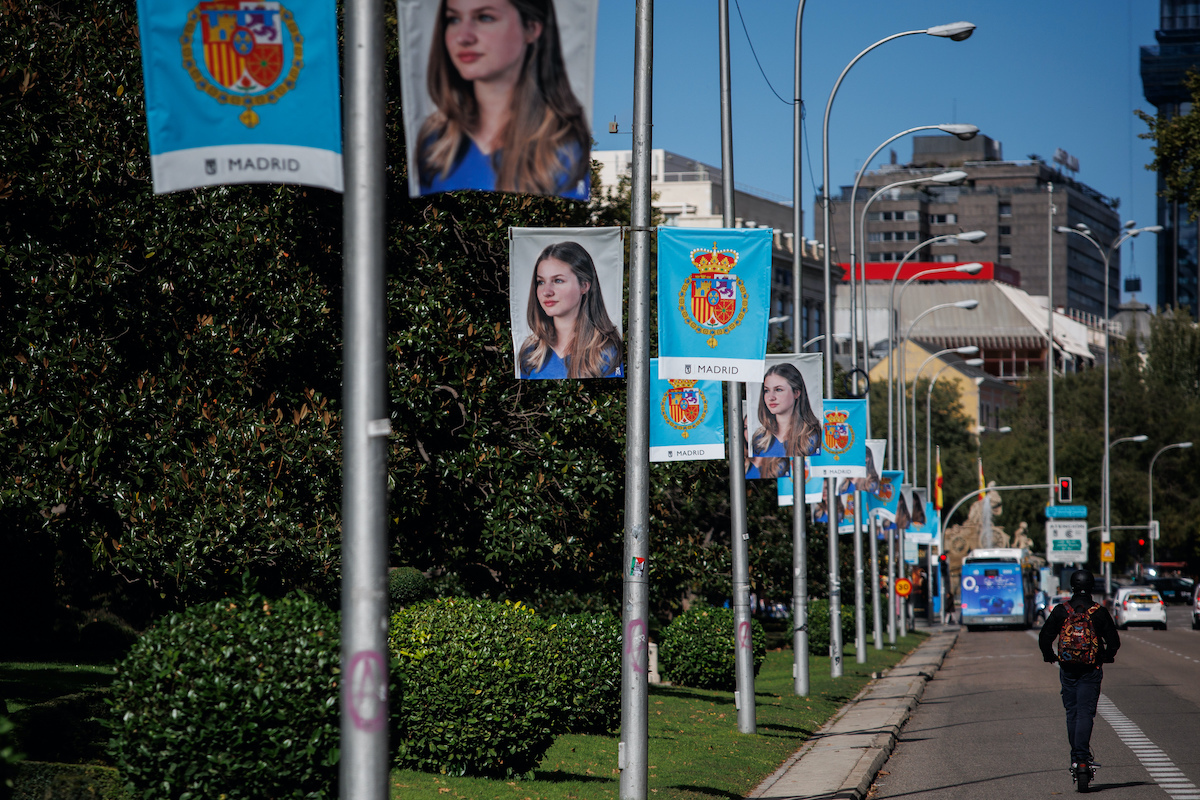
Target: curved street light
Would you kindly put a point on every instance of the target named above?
(951, 178)
(972, 268)
(1106, 508)
(970, 362)
(1177, 445)
(965, 305)
(965, 132)
(967, 350)
(955, 31)
(1128, 232)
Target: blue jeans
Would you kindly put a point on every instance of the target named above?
(1080, 694)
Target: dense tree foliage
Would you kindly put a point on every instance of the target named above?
(170, 412)
(1159, 397)
(1176, 150)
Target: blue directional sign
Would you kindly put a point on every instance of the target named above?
(1066, 512)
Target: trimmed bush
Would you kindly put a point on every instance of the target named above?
(231, 699)
(9, 757)
(818, 625)
(479, 698)
(408, 585)
(584, 655)
(697, 648)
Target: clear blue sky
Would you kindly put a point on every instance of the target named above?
(1035, 76)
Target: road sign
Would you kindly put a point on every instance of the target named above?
(903, 587)
(1154, 530)
(1066, 512)
(1108, 552)
(1066, 540)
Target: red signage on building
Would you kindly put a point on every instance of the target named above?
(886, 271)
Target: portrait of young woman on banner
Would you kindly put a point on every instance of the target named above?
(563, 281)
(782, 422)
(497, 95)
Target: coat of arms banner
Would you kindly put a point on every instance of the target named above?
(843, 451)
(687, 419)
(714, 294)
(241, 91)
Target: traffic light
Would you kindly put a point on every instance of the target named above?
(944, 567)
(1064, 490)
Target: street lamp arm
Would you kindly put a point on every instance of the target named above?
(971, 494)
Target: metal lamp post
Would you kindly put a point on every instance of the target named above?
(970, 362)
(972, 268)
(1129, 232)
(966, 305)
(1106, 519)
(951, 178)
(1179, 446)
(968, 350)
(956, 31)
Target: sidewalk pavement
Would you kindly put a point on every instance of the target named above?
(841, 760)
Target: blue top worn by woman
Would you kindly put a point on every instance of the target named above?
(556, 369)
(774, 450)
(474, 170)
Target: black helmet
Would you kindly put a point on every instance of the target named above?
(1082, 581)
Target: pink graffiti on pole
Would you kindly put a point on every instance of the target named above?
(743, 637)
(366, 691)
(635, 642)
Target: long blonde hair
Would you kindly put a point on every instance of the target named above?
(804, 435)
(596, 347)
(547, 120)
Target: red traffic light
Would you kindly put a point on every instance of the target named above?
(1064, 490)
(1141, 542)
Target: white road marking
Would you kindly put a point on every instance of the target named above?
(1157, 763)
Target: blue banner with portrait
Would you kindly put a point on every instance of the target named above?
(843, 451)
(687, 419)
(923, 527)
(714, 298)
(497, 97)
(241, 91)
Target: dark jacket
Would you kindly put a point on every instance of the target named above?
(1102, 621)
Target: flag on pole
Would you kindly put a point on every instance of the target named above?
(938, 500)
(241, 91)
(982, 485)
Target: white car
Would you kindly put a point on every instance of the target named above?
(1196, 609)
(1139, 605)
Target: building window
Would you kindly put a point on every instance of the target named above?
(1005, 251)
(949, 258)
(1005, 209)
(943, 219)
(1006, 230)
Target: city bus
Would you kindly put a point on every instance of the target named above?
(997, 586)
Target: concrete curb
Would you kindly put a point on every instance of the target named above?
(841, 759)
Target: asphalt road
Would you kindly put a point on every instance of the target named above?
(990, 725)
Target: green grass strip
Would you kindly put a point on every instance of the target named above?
(696, 752)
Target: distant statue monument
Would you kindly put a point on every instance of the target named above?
(980, 531)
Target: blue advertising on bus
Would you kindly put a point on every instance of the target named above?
(996, 587)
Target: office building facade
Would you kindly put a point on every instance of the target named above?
(1009, 200)
(1164, 67)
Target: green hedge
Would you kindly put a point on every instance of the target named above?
(9, 757)
(697, 648)
(408, 585)
(231, 700)
(585, 656)
(488, 686)
(818, 625)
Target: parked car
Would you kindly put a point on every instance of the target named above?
(1196, 609)
(1139, 605)
(1174, 590)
